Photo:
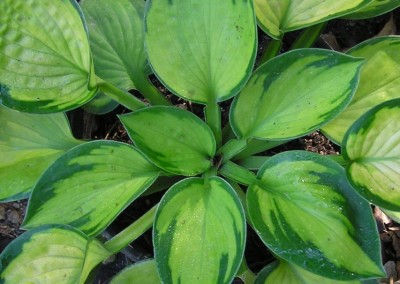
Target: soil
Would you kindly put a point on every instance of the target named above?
(338, 35)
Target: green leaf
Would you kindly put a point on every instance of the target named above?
(29, 143)
(379, 82)
(276, 17)
(199, 232)
(285, 272)
(116, 33)
(372, 146)
(144, 272)
(45, 62)
(89, 186)
(294, 94)
(100, 104)
(208, 47)
(174, 139)
(51, 254)
(374, 9)
(306, 212)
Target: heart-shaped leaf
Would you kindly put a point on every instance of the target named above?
(285, 272)
(51, 254)
(374, 9)
(379, 82)
(372, 146)
(199, 232)
(206, 50)
(294, 94)
(89, 186)
(306, 212)
(174, 139)
(46, 64)
(276, 17)
(144, 272)
(29, 143)
(116, 35)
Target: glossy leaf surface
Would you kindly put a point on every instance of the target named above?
(116, 33)
(206, 50)
(379, 82)
(305, 211)
(51, 254)
(174, 139)
(285, 272)
(294, 94)
(372, 145)
(199, 232)
(29, 143)
(45, 62)
(375, 8)
(89, 186)
(277, 17)
(143, 272)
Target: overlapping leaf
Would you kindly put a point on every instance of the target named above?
(306, 212)
(372, 146)
(379, 82)
(29, 143)
(51, 254)
(143, 272)
(45, 62)
(375, 8)
(205, 51)
(89, 186)
(277, 17)
(174, 139)
(199, 232)
(294, 94)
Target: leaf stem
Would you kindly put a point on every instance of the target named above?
(272, 50)
(253, 162)
(150, 92)
(132, 232)
(237, 173)
(232, 148)
(244, 273)
(121, 96)
(256, 146)
(339, 159)
(309, 36)
(213, 118)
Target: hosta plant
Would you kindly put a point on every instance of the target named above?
(312, 212)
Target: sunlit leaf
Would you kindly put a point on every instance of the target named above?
(294, 94)
(379, 82)
(143, 272)
(174, 139)
(89, 186)
(51, 254)
(306, 212)
(374, 9)
(45, 61)
(205, 51)
(372, 146)
(29, 143)
(199, 232)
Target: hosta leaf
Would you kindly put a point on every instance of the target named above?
(379, 82)
(45, 62)
(294, 94)
(372, 146)
(306, 212)
(143, 272)
(89, 186)
(174, 139)
(285, 272)
(29, 143)
(375, 8)
(199, 232)
(277, 17)
(116, 35)
(206, 50)
(100, 104)
(51, 254)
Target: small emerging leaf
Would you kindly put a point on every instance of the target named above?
(89, 186)
(45, 62)
(199, 232)
(174, 139)
(51, 254)
(29, 143)
(372, 145)
(144, 272)
(306, 212)
(294, 94)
